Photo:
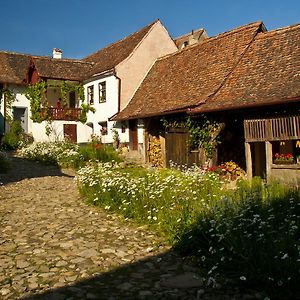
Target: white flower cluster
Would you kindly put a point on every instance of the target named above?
(50, 152)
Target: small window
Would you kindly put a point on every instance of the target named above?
(102, 92)
(103, 128)
(286, 152)
(90, 92)
(123, 129)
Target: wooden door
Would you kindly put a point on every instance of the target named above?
(70, 132)
(177, 146)
(133, 135)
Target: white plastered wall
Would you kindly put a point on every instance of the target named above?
(106, 109)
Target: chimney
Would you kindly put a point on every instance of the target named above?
(56, 53)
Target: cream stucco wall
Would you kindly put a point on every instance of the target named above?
(134, 69)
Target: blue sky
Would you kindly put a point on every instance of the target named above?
(80, 27)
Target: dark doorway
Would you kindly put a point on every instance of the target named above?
(258, 153)
(70, 132)
(72, 99)
(20, 114)
(133, 135)
(232, 147)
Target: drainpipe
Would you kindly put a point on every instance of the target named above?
(5, 113)
(119, 90)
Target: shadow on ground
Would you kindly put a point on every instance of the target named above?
(20, 169)
(164, 276)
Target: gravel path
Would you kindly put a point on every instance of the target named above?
(54, 246)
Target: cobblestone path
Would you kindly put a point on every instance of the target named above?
(54, 246)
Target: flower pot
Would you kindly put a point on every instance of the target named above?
(283, 162)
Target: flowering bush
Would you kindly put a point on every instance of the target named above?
(228, 170)
(60, 153)
(67, 154)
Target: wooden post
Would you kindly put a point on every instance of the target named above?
(268, 159)
(248, 160)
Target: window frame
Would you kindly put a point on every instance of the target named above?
(102, 91)
(90, 94)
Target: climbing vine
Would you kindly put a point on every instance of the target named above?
(85, 108)
(36, 93)
(203, 131)
(9, 97)
(66, 88)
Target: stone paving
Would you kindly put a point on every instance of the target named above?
(54, 246)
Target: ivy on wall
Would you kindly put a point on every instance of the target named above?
(66, 88)
(9, 97)
(203, 131)
(36, 94)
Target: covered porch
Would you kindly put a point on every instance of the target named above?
(272, 148)
(63, 100)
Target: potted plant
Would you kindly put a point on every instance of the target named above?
(284, 159)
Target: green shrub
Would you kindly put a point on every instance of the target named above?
(99, 152)
(16, 137)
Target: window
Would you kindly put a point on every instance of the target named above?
(90, 94)
(286, 152)
(103, 129)
(102, 92)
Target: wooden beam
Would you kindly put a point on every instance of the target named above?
(268, 159)
(248, 160)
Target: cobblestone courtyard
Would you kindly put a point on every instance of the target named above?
(54, 246)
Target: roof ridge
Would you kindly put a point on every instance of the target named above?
(121, 40)
(212, 38)
(62, 59)
(15, 53)
(279, 30)
(46, 57)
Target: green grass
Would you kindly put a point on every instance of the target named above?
(248, 236)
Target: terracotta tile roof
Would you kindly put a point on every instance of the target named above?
(188, 77)
(66, 69)
(110, 56)
(268, 73)
(13, 67)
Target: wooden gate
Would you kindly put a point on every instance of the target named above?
(70, 132)
(177, 148)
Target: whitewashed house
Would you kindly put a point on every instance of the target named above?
(116, 74)
(110, 78)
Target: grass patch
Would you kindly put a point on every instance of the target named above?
(248, 236)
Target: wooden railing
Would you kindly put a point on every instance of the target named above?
(273, 129)
(68, 114)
